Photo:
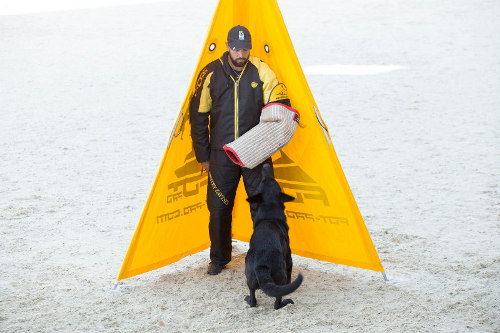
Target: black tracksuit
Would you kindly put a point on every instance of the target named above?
(224, 105)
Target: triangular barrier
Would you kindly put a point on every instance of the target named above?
(325, 222)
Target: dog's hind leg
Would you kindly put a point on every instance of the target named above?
(278, 304)
(251, 300)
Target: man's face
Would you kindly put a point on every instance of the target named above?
(238, 57)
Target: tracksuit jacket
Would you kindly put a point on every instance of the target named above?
(233, 103)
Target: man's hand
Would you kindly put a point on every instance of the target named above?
(206, 165)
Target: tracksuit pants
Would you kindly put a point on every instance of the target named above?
(223, 180)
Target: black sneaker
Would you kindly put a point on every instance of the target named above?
(214, 269)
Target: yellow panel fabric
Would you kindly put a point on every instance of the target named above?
(325, 222)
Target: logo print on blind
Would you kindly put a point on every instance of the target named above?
(290, 176)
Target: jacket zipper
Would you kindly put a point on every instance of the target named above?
(236, 102)
(236, 98)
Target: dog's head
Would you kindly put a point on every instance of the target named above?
(269, 191)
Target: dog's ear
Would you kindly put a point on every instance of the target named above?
(286, 198)
(255, 198)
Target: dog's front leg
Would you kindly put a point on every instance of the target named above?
(251, 300)
(278, 304)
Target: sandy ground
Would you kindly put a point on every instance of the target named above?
(88, 98)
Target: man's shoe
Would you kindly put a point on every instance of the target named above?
(214, 269)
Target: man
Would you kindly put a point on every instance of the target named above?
(227, 102)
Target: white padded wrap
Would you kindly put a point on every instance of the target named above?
(276, 128)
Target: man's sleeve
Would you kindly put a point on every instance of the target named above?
(274, 91)
(199, 112)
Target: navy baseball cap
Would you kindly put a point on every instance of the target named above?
(239, 38)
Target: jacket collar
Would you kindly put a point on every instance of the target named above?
(225, 63)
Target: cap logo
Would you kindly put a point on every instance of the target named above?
(242, 35)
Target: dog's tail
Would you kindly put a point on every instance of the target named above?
(270, 288)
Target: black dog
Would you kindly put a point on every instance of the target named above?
(268, 263)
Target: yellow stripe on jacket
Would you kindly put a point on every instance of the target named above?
(205, 99)
(272, 89)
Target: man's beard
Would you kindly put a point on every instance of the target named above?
(240, 62)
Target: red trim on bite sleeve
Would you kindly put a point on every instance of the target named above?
(232, 155)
